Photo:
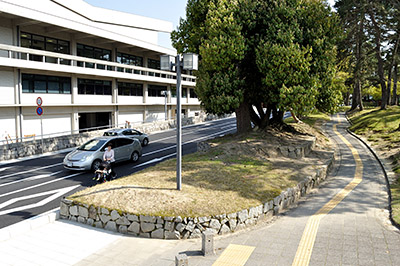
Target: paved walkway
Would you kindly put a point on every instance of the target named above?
(342, 223)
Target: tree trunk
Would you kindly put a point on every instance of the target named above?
(243, 118)
(395, 100)
(378, 55)
(393, 64)
(356, 100)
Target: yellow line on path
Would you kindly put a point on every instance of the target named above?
(305, 247)
(234, 255)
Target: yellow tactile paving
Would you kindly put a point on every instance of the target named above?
(305, 247)
(234, 255)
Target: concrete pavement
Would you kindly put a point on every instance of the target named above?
(353, 230)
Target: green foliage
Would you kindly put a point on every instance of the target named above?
(277, 54)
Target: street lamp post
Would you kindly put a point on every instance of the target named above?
(165, 93)
(189, 62)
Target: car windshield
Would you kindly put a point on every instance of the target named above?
(110, 133)
(92, 145)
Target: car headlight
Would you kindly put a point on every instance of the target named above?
(84, 158)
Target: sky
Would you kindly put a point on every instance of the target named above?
(169, 10)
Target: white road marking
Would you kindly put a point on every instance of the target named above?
(196, 130)
(31, 178)
(56, 194)
(31, 170)
(154, 160)
(4, 168)
(41, 184)
(188, 142)
(230, 126)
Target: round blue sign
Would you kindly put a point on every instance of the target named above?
(39, 110)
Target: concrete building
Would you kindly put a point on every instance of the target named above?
(90, 66)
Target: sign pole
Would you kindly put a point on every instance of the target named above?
(41, 130)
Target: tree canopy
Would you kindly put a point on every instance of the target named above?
(261, 58)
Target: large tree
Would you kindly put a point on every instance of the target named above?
(261, 58)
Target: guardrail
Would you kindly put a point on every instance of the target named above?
(21, 53)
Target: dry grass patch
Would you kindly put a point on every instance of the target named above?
(237, 172)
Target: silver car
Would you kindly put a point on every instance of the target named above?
(130, 133)
(90, 155)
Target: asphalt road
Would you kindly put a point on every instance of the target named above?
(32, 187)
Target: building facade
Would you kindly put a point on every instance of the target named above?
(91, 67)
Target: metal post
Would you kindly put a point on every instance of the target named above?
(165, 109)
(41, 129)
(179, 124)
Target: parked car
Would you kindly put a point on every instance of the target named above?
(130, 133)
(90, 155)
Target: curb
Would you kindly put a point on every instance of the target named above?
(25, 226)
(394, 223)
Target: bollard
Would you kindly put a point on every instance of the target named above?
(181, 260)
(207, 243)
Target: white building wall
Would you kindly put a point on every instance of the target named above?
(154, 114)
(131, 117)
(93, 99)
(6, 37)
(7, 118)
(48, 98)
(6, 87)
(130, 99)
(52, 124)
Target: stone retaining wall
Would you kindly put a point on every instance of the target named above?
(34, 147)
(189, 227)
(294, 152)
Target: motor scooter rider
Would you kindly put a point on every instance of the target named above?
(109, 157)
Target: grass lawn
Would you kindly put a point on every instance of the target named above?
(380, 128)
(236, 173)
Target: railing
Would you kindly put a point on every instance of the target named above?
(28, 54)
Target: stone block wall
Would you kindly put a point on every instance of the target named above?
(189, 227)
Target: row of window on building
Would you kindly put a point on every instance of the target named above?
(32, 83)
(34, 41)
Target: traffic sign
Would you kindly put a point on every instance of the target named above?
(39, 111)
(39, 101)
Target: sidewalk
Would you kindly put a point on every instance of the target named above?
(356, 231)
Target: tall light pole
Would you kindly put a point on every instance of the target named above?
(189, 62)
(165, 93)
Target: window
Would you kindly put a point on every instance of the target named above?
(94, 87)
(128, 59)
(183, 93)
(122, 142)
(193, 93)
(130, 89)
(94, 53)
(154, 64)
(155, 90)
(38, 42)
(45, 84)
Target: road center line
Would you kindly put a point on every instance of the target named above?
(31, 178)
(188, 142)
(191, 131)
(305, 247)
(30, 170)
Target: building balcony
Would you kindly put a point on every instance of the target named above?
(32, 59)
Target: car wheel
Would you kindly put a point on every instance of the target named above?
(96, 165)
(135, 156)
(145, 142)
